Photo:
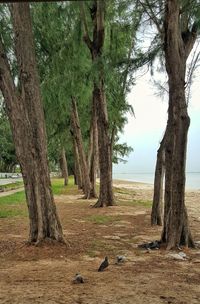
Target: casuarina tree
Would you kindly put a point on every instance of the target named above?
(25, 112)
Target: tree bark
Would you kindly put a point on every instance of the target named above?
(77, 166)
(105, 165)
(63, 167)
(81, 152)
(93, 155)
(26, 117)
(176, 231)
(157, 206)
(95, 46)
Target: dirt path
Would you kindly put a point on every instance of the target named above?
(30, 275)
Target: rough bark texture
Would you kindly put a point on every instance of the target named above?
(77, 166)
(157, 207)
(81, 152)
(176, 230)
(26, 117)
(95, 46)
(63, 167)
(93, 159)
(106, 192)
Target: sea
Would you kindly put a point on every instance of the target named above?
(192, 178)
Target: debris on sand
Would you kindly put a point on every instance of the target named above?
(181, 256)
(120, 259)
(78, 279)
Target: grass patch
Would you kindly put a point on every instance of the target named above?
(143, 203)
(95, 245)
(102, 219)
(6, 213)
(9, 205)
(59, 188)
(11, 186)
(13, 199)
(123, 191)
(102, 246)
(18, 199)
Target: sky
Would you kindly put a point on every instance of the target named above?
(144, 131)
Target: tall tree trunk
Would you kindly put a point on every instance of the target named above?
(63, 166)
(112, 142)
(95, 46)
(77, 166)
(26, 117)
(176, 231)
(93, 155)
(105, 165)
(157, 207)
(79, 142)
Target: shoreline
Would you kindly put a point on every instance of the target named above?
(141, 185)
(119, 183)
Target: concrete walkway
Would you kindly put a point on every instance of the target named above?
(5, 193)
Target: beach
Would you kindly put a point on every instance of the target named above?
(145, 191)
(43, 274)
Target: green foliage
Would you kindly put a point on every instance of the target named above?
(190, 15)
(8, 159)
(7, 36)
(64, 66)
(120, 151)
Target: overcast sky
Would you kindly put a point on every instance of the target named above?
(144, 132)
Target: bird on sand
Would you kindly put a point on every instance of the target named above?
(104, 264)
(78, 279)
(120, 259)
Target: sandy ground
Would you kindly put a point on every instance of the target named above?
(30, 274)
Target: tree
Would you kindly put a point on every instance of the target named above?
(93, 153)
(79, 142)
(177, 33)
(63, 76)
(95, 46)
(157, 206)
(178, 44)
(25, 112)
(68, 71)
(63, 166)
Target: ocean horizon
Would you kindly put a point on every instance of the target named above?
(192, 178)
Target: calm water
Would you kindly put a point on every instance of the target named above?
(192, 179)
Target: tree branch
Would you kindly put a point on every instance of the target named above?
(100, 24)
(190, 39)
(149, 11)
(193, 66)
(86, 36)
(7, 85)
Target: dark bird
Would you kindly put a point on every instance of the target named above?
(78, 279)
(152, 245)
(104, 264)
